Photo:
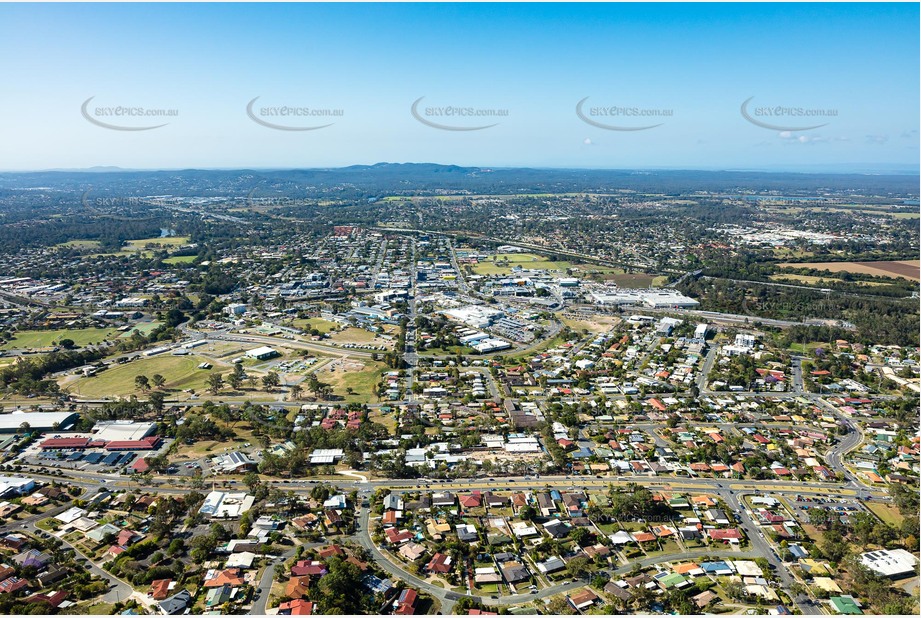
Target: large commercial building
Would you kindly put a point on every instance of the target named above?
(37, 421)
(15, 486)
(651, 297)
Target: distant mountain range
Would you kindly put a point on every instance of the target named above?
(368, 181)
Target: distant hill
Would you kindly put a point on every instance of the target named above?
(368, 181)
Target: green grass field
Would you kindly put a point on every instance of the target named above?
(324, 326)
(886, 512)
(143, 327)
(502, 263)
(30, 339)
(166, 242)
(180, 259)
(181, 372)
(80, 244)
(813, 280)
(147, 245)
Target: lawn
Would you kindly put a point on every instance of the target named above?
(181, 372)
(144, 327)
(30, 339)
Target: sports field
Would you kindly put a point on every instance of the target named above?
(31, 339)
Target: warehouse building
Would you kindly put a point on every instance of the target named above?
(263, 353)
(38, 421)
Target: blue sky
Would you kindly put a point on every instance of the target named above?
(856, 63)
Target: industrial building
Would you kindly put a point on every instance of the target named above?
(263, 353)
(38, 421)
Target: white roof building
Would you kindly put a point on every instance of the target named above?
(226, 505)
(890, 562)
(326, 455)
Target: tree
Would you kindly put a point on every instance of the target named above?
(67, 344)
(158, 380)
(581, 536)
(156, 400)
(142, 382)
(578, 567)
(215, 383)
(296, 391)
(236, 376)
(270, 380)
(527, 512)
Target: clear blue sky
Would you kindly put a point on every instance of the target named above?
(535, 60)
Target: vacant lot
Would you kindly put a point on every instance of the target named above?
(502, 263)
(353, 335)
(811, 280)
(908, 269)
(887, 512)
(180, 372)
(596, 324)
(30, 339)
(360, 376)
(324, 326)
